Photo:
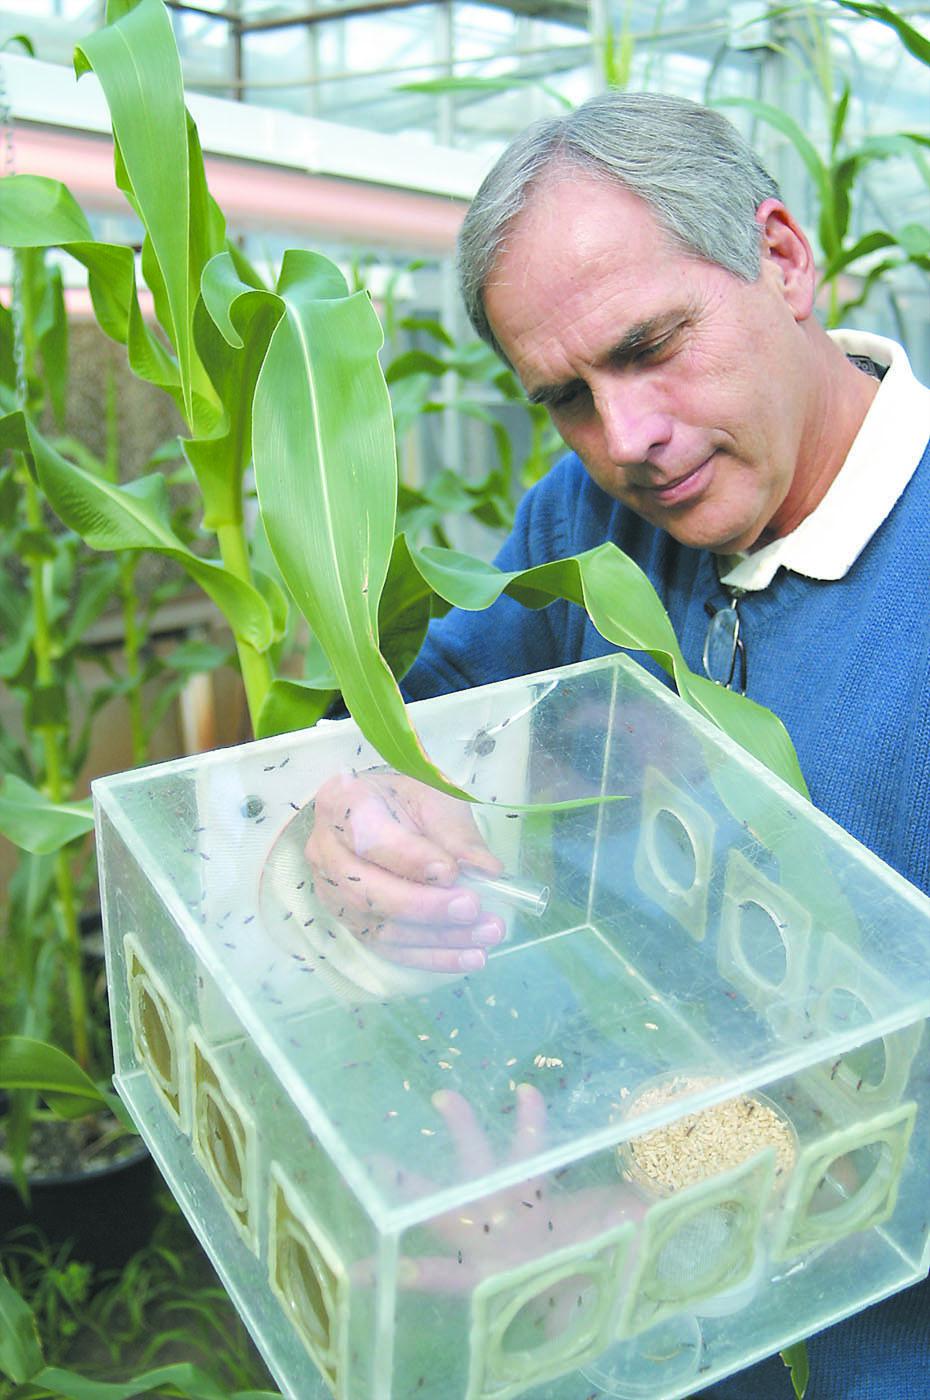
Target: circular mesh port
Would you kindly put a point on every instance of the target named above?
(154, 1036)
(220, 1134)
(303, 1288)
(673, 849)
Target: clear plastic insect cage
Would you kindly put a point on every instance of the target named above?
(678, 1119)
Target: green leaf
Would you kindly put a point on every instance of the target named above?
(805, 148)
(195, 657)
(413, 362)
(404, 613)
(626, 610)
(429, 326)
(868, 243)
(181, 1377)
(36, 212)
(96, 589)
(233, 326)
(24, 42)
(109, 516)
(52, 335)
(838, 123)
(46, 706)
(912, 39)
(445, 86)
(290, 705)
(33, 1064)
(136, 62)
(20, 1349)
(796, 1359)
(35, 823)
(914, 239)
(326, 478)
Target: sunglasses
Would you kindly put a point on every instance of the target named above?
(724, 649)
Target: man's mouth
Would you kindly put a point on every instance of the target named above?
(685, 487)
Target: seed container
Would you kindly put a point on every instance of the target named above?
(417, 1186)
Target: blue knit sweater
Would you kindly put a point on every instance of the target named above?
(846, 665)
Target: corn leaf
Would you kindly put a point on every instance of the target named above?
(35, 823)
(326, 477)
(806, 149)
(31, 203)
(626, 610)
(20, 1350)
(232, 352)
(913, 40)
(136, 62)
(137, 516)
(33, 1064)
(182, 1377)
(290, 705)
(796, 1359)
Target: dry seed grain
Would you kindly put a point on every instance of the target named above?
(703, 1144)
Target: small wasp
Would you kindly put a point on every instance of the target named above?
(480, 744)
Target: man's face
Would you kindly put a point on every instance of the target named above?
(684, 390)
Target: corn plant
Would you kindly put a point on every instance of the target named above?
(836, 174)
(287, 379)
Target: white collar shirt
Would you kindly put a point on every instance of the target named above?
(883, 458)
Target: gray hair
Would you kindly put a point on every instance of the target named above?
(688, 163)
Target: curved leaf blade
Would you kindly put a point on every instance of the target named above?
(326, 477)
(109, 516)
(34, 1064)
(20, 1350)
(136, 62)
(36, 212)
(35, 823)
(626, 610)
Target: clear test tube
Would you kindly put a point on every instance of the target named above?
(524, 895)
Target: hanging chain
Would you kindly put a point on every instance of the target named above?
(16, 271)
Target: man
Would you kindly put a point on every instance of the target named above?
(637, 268)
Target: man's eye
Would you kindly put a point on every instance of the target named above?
(570, 398)
(655, 350)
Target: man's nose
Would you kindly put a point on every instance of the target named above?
(634, 426)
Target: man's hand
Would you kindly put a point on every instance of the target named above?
(525, 1222)
(385, 853)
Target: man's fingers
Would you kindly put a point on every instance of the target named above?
(451, 960)
(531, 1122)
(353, 885)
(359, 818)
(471, 1145)
(434, 811)
(487, 933)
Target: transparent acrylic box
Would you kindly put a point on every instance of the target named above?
(721, 1007)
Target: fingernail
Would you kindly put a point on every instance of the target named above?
(471, 960)
(439, 872)
(463, 909)
(488, 934)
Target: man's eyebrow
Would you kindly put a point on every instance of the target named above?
(625, 349)
(641, 335)
(549, 394)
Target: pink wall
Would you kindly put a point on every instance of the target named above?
(256, 197)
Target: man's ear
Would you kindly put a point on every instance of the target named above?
(789, 254)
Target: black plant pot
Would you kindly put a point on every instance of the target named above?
(105, 1215)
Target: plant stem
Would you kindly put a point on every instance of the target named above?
(255, 667)
(55, 781)
(132, 633)
(132, 637)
